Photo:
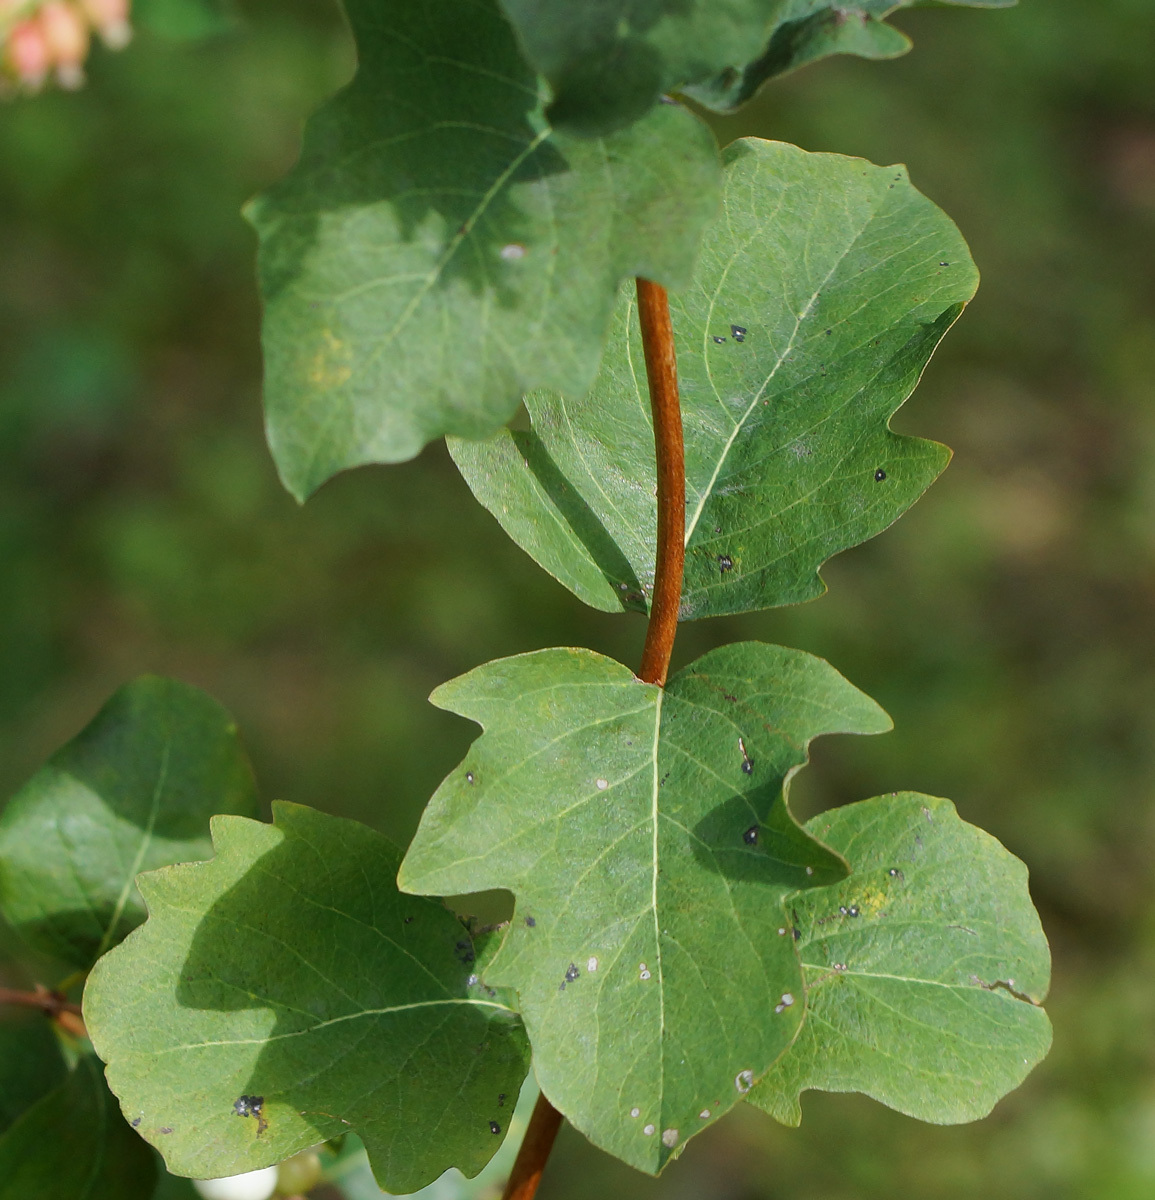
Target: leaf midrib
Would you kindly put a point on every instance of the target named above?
(368, 1012)
(708, 491)
(141, 850)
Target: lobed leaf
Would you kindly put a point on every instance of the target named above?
(285, 992)
(646, 836)
(133, 791)
(924, 968)
(439, 250)
(609, 62)
(74, 1144)
(807, 30)
(820, 294)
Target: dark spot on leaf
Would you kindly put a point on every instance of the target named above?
(136, 1123)
(797, 934)
(408, 921)
(720, 341)
(725, 563)
(501, 1100)
(944, 264)
(530, 922)
(852, 911)
(747, 767)
(739, 333)
(879, 475)
(750, 837)
(829, 332)
(468, 776)
(494, 1127)
(572, 973)
(165, 1129)
(895, 873)
(727, 696)
(465, 954)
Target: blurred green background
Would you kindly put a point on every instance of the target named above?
(1006, 623)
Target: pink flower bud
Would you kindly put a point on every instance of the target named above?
(27, 53)
(65, 33)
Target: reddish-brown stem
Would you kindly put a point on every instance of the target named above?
(535, 1148)
(51, 1004)
(662, 374)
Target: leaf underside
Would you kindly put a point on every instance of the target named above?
(924, 968)
(438, 251)
(131, 792)
(74, 1145)
(646, 837)
(807, 30)
(286, 992)
(820, 294)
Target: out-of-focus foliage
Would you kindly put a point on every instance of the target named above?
(1005, 624)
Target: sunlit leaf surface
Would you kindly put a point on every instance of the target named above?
(286, 992)
(646, 837)
(924, 968)
(821, 292)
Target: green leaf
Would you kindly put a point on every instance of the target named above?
(609, 62)
(74, 1145)
(285, 992)
(133, 791)
(31, 1063)
(924, 968)
(820, 294)
(807, 30)
(349, 1169)
(646, 836)
(438, 251)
